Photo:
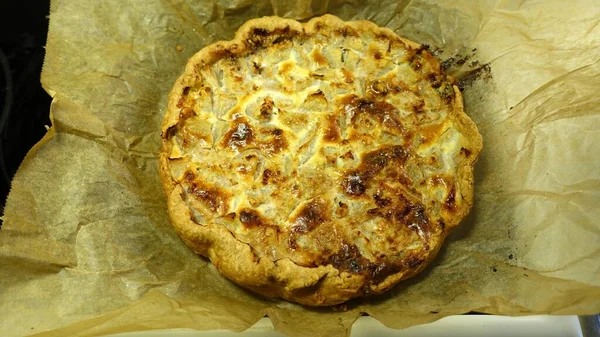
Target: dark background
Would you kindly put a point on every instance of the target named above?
(24, 105)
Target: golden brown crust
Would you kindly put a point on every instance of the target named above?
(376, 178)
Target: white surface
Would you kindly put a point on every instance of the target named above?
(459, 326)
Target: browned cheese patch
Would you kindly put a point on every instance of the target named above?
(311, 215)
(257, 229)
(356, 182)
(384, 113)
(318, 58)
(332, 129)
(348, 76)
(210, 195)
(274, 141)
(266, 109)
(349, 259)
(252, 219)
(239, 135)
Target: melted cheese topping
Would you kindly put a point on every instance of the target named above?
(335, 148)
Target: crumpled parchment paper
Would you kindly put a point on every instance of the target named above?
(87, 249)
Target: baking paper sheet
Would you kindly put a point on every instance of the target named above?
(86, 247)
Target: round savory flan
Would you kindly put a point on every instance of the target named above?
(317, 161)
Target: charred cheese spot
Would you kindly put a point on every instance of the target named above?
(251, 219)
(384, 113)
(354, 184)
(348, 258)
(189, 176)
(381, 201)
(272, 177)
(380, 271)
(418, 107)
(442, 224)
(292, 242)
(256, 67)
(258, 37)
(465, 152)
(348, 155)
(183, 97)
(266, 175)
(377, 160)
(266, 108)
(450, 202)
(342, 210)
(374, 211)
(310, 216)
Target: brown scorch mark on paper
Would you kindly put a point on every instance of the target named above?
(483, 73)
